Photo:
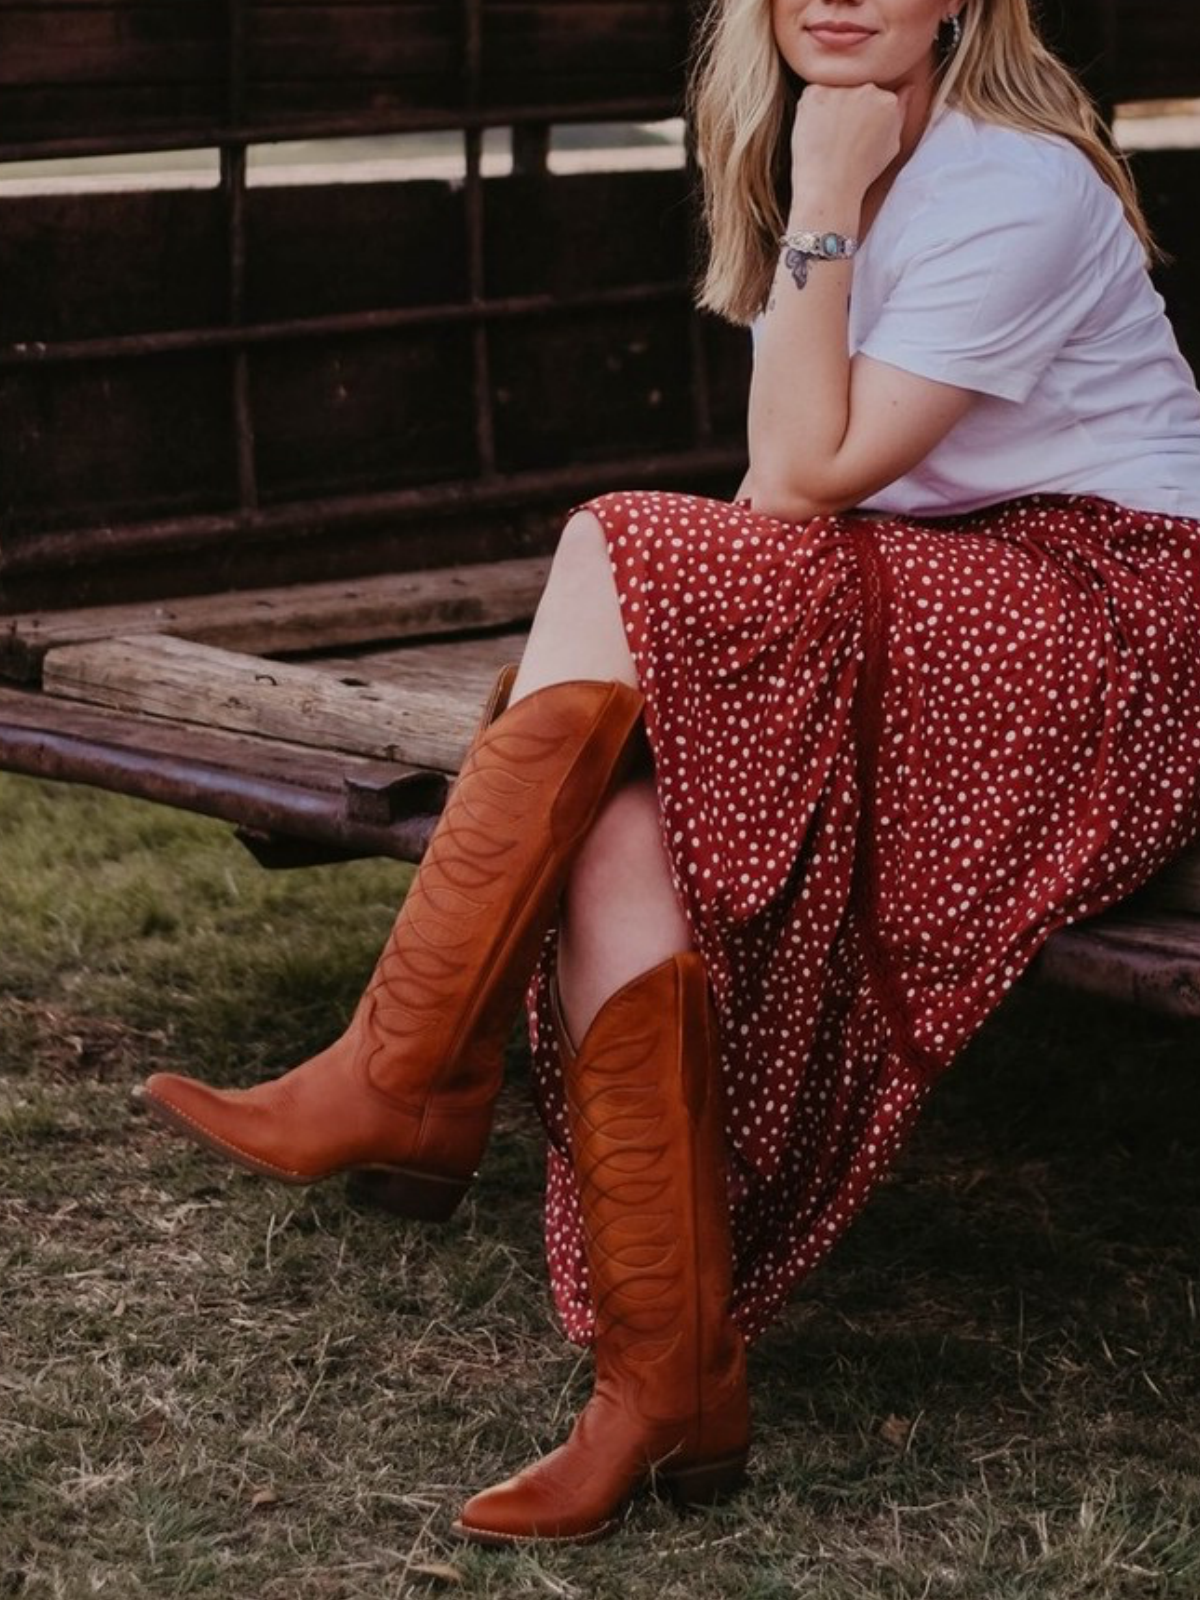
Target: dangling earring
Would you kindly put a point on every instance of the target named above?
(951, 42)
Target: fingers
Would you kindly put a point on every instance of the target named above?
(847, 134)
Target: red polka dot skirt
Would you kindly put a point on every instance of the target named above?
(892, 757)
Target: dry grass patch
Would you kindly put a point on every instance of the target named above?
(213, 1387)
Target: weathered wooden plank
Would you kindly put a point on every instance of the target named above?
(111, 46)
(1176, 888)
(1149, 960)
(342, 803)
(280, 761)
(303, 617)
(452, 663)
(104, 68)
(172, 678)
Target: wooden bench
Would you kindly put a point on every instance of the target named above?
(280, 465)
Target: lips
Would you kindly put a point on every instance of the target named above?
(838, 33)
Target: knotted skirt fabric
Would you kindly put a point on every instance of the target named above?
(892, 757)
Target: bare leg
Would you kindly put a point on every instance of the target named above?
(620, 913)
(577, 632)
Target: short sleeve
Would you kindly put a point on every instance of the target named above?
(1001, 273)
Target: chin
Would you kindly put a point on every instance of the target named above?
(845, 77)
(831, 71)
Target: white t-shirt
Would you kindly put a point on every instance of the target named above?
(1003, 263)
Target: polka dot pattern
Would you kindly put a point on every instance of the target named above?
(892, 757)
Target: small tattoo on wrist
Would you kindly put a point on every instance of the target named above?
(796, 263)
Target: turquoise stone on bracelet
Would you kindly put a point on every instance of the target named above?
(820, 246)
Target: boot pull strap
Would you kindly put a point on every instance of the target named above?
(497, 701)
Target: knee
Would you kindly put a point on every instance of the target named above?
(581, 546)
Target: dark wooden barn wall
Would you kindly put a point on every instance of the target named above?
(589, 340)
(207, 388)
(1128, 49)
(122, 66)
(197, 387)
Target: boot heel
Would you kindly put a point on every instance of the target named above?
(420, 1196)
(706, 1484)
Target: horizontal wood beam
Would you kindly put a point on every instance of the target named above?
(340, 803)
(59, 551)
(157, 676)
(302, 617)
(199, 133)
(1146, 959)
(543, 307)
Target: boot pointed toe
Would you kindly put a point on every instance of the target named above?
(532, 1507)
(226, 1121)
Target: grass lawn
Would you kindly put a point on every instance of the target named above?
(211, 1386)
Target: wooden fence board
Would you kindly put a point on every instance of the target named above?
(560, 238)
(1158, 50)
(341, 413)
(613, 380)
(184, 682)
(447, 665)
(103, 68)
(1151, 961)
(328, 540)
(99, 111)
(323, 249)
(92, 49)
(342, 803)
(301, 617)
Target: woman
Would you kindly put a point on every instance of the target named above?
(930, 689)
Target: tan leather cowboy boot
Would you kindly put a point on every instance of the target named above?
(405, 1096)
(670, 1401)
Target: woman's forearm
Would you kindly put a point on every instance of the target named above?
(801, 399)
(800, 392)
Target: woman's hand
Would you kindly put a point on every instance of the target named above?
(843, 139)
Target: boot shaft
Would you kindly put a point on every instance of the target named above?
(450, 979)
(646, 1117)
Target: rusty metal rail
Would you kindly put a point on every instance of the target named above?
(189, 535)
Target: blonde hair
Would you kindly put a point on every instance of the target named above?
(743, 98)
